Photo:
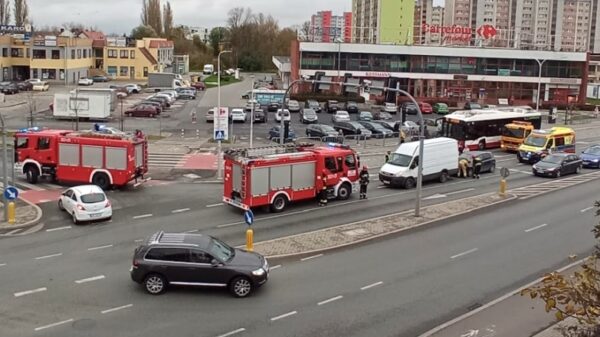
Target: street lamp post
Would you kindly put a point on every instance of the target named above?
(122, 120)
(4, 167)
(537, 101)
(252, 113)
(219, 155)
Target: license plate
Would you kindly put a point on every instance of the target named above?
(95, 215)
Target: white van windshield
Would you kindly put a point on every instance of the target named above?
(398, 159)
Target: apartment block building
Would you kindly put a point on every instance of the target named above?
(427, 15)
(326, 27)
(383, 21)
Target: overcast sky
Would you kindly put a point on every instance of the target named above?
(120, 16)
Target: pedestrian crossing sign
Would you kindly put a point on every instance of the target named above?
(219, 135)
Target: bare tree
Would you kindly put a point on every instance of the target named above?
(21, 12)
(152, 15)
(4, 12)
(167, 19)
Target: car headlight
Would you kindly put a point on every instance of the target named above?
(535, 167)
(595, 160)
(552, 169)
(258, 272)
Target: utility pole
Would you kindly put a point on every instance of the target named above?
(4, 166)
(217, 113)
(122, 120)
(252, 113)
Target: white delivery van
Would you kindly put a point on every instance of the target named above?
(440, 161)
(209, 69)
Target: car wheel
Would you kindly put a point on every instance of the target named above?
(74, 217)
(557, 175)
(444, 177)
(578, 170)
(344, 192)
(240, 287)
(101, 180)
(151, 115)
(279, 204)
(493, 168)
(60, 205)
(32, 174)
(409, 183)
(155, 284)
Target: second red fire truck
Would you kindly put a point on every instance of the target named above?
(278, 175)
(94, 157)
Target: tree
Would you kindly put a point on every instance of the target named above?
(21, 12)
(4, 12)
(217, 35)
(167, 19)
(141, 32)
(305, 31)
(576, 296)
(152, 15)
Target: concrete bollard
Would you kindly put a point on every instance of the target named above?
(503, 187)
(11, 211)
(249, 239)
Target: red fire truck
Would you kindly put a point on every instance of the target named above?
(93, 157)
(277, 175)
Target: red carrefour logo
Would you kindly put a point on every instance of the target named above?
(487, 31)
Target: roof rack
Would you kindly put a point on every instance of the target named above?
(257, 152)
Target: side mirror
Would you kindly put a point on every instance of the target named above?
(215, 263)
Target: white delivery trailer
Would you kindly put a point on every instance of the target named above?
(110, 93)
(82, 106)
(440, 161)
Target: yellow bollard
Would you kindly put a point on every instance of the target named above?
(249, 239)
(11, 212)
(503, 187)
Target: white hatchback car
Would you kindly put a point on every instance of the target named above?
(285, 114)
(85, 203)
(238, 115)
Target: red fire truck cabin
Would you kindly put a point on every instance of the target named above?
(277, 175)
(98, 158)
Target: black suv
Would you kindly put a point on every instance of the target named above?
(331, 107)
(351, 107)
(196, 260)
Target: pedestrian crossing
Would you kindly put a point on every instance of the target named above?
(530, 191)
(165, 160)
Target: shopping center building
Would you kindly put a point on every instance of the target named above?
(453, 73)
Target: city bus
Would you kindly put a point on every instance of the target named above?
(266, 96)
(482, 129)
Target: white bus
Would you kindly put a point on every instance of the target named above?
(482, 129)
(266, 96)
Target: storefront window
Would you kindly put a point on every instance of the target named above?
(123, 71)
(49, 74)
(112, 71)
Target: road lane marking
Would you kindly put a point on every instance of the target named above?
(461, 191)
(142, 216)
(2, 264)
(29, 292)
(48, 256)
(291, 313)
(275, 267)
(12, 232)
(331, 300)
(116, 309)
(191, 231)
(58, 229)
(54, 324)
(214, 205)
(99, 247)
(90, 279)
(180, 210)
(138, 240)
(587, 209)
(464, 253)
(311, 257)
(230, 333)
(536, 227)
(372, 285)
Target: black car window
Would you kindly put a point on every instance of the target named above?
(198, 256)
(350, 161)
(68, 193)
(330, 164)
(559, 141)
(22, 142)
(169, 254)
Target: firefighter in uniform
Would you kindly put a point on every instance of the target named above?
(364, 181)
(476, 167)
(323, 192)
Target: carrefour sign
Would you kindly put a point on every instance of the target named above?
(460, 33)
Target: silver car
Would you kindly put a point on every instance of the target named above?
(293, 106)
(341, 116)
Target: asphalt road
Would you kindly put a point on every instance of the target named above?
(427, 276)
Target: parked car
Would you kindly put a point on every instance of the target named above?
(488, 161)
(133, 88)
(170, 99)
(557, 164)
(24, 86)
(34, 81)
(41, 86)
(238, 115)
(248, 107)
(85, 203)
(308, 116)
(293, 106)
(199, 86)
(120, 89)
(274, 134)
(425, 108)
(285, 114)
(340, 116)
(591, 156)
(390, 125)
(472, 106)
(409, 108)
(331, 106)
(100, 78)
(312, 104)
(181, 89)
(143, 110)
(173, 93)
(321, 130)
(157, 105)
(378, 130)
(85, 81)
(247, 94)
(9, 88)
(365, 116)
(187, 94)
(161, 100)
(351, 107)
(352, 129)
(273, 106)
(390, 108)
(382, 115)
(185, 259)
(441, 108)
(210, 115)
(260, 116)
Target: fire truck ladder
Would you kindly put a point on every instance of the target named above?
(258, 152)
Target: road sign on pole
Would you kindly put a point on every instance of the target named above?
(11, 193)
(221, 124)
(504, 172)
(249, 217)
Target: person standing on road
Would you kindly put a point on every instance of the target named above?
(387, 156)
(364, 182)
(476, 167)
(323, 192)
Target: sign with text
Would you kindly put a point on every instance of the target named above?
(221, 124)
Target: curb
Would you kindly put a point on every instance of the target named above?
(506, 199)
(29, 223)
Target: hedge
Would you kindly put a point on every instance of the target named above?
(302, 97)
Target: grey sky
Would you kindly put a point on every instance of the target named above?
(120, 16)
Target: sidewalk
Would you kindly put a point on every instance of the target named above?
(353, 233)
(27, 215)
